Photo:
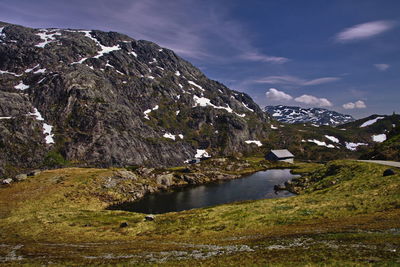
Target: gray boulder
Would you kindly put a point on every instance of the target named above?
(34, 173)
(20, 177)
(7, 181)
(165, 179)
(124, 174)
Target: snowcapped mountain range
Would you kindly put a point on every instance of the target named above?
(316, 116)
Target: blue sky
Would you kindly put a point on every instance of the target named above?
(342, 55)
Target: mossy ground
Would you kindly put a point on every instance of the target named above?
(57, 218)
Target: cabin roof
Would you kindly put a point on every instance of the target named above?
(282, 153)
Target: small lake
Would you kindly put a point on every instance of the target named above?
(259, 185)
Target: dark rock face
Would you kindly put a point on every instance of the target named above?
(94, 98)
(318, 116)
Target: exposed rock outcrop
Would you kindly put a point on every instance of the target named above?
(93, 98)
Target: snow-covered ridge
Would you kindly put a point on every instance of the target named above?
(246, 106)
(103, 49)
(370, 122)
(48, 36)
(316, 116)
(204, 102)
(195, 84)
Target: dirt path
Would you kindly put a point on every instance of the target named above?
(383, 162)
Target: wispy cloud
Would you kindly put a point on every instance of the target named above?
(321, 80)
(192, 29)
(202, 30)
(382, 67)
(255, 56)
(277, 96)
(357, 104)
(314, 101)
(364, 31)
(292, 80)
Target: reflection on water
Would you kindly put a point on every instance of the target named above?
(256, 186)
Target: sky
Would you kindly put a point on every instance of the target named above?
(340, 55)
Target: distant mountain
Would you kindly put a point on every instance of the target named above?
(93, 98)
(374, 137)
(317, 116)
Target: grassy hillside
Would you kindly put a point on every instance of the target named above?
(350, 215)
(389, 149)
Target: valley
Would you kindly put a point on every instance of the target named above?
(93, 123)
(350, 214)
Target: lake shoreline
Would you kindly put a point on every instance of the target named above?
(258, 185)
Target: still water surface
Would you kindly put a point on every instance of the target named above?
(259, 185)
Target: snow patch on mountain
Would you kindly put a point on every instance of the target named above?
(146, 112)
(169, 135)
(320, 143)
(370, 122)
(47, 128)
(379, 138)
(11, 73)
(258, 143)
(195, 84)
(21, 86)
(353, 146)
(332, 138)
(201, 153)
(47, 37)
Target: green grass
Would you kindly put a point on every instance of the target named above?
(348, 222)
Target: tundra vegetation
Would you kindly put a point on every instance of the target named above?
(347, 213)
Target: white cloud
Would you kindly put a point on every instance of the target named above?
(357, 104)
(292, 80)
(312, 100)
(255, 56)
(276, 95)
(364, 31)
(382, 67)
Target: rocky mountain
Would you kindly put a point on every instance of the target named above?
(317, 116)
(93, 98)
(374, 137)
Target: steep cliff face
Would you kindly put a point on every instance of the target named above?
(104, 99)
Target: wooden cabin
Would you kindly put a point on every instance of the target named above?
(280, 155)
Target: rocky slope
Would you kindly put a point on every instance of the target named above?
(93, 98)
(317, 116)
(371, 137)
